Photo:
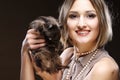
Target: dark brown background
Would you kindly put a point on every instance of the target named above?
(15, 15)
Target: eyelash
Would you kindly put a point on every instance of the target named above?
(91, 15)
(73, 16)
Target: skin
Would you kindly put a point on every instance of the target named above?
(26, 64)
(82, 23)
(83, 26)
(33, 40)
(104, 72)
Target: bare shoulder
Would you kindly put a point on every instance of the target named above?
(66, 52)
(66, 55)
(105, 69)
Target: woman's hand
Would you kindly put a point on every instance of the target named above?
(34, 39)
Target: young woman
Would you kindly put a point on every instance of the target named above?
(87, 28)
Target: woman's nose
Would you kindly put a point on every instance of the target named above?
(81, 22)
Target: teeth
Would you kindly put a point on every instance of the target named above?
(82, 32)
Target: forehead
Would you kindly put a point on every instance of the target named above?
(81, 5)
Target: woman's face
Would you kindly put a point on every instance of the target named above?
(82, 23)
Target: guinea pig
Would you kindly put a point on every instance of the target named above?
(47, 57)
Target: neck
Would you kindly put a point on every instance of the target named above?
(84, 50)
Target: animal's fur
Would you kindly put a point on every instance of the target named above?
(47, 57)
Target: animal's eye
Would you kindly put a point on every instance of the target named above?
(50, 26)
(47, 26)
(53, 27)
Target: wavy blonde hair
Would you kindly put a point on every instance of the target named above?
(104, 17)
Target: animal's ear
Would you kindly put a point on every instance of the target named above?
(33, 25)
(60, 26)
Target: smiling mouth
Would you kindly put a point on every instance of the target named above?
(83, 32)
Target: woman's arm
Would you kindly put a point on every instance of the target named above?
(105, 69)
(31, 41)
(27, 72)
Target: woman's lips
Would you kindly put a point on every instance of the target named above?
(83, 32)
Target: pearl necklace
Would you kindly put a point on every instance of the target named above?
(83, 53)
(85, 67)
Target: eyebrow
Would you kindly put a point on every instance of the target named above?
(73, 12)
(85, 11)
(91, 11)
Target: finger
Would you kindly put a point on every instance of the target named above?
(34, 33)
(32, 36)
(35, 41)
(36, 46)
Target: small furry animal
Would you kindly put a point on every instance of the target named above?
(47, 57)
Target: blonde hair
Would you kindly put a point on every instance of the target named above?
(104, 17)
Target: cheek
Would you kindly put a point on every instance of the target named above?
(94, 24)
(71, 24)
(95, 28)
(71, 28)
(96, 31)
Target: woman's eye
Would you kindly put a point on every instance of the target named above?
(91, 15)
(72, 16)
